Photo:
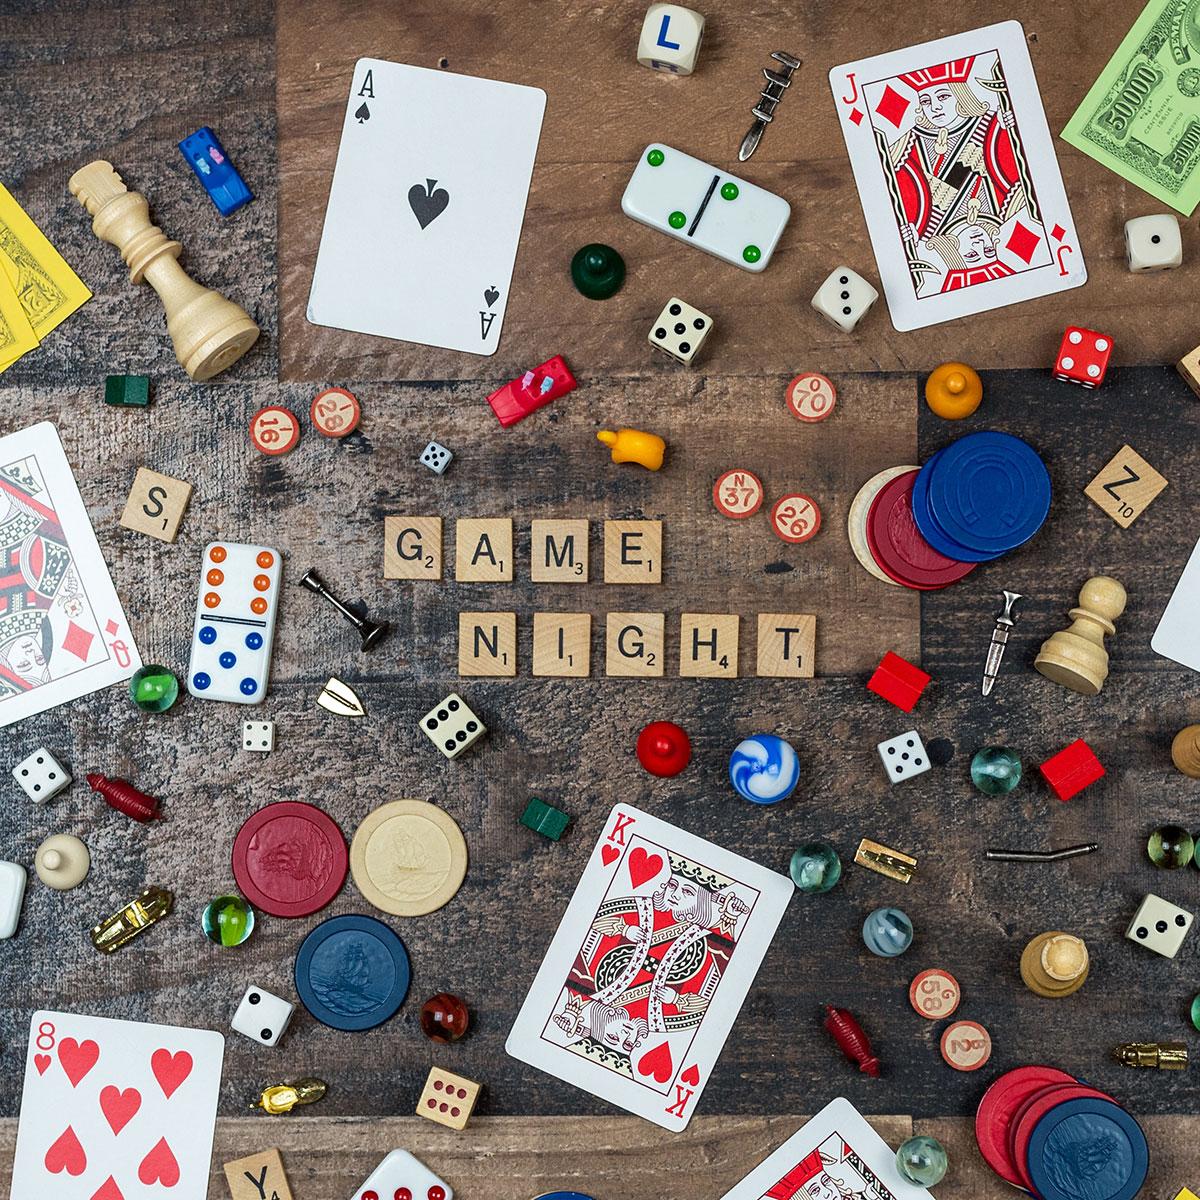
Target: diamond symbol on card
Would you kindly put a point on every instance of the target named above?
(78, 641)
(1058, 233)
(856, 115)
(892, 106)
(1023, 242)
(111, 627)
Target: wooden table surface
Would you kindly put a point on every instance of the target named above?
(126, 82)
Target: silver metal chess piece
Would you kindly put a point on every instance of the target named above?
(1005, 620)
(778, 82)
(371, 632)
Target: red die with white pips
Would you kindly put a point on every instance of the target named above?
(1083, 357)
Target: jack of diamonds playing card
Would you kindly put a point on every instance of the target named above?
(426, 206)
(649, 967)
(961, 191)
(63, 632)
(116, 1110)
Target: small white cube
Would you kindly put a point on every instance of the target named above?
(1159, 925)
(262, 1016)
(670, 39)
(436, 457)
(844, 298)
(1153, 243)
(452, 727)
(680, 330)
(258, 736)
(12, 896)
(41, 776)
(904, 756)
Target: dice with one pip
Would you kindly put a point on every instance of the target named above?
(262, 1016)
(436, 457)
(844, 298)
(41, 775)
(1083, 357)
(680, 330)
(1153, 243)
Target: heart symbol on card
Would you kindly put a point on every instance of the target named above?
(170, 1069)
(77, 1058)
(657, 1063)
(609, 855)
(643, 866)
(491, 296)
(119, 1107)
(159, 1166)
(41, 1061)
(66, 1154)
(691, 1076)
(109, 1191)
(427, 203)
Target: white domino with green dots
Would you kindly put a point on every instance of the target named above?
(695, 203)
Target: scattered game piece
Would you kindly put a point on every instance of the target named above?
(153, 688)
(125, 798)
(1170, 847)
(1005, 620)
(334, 412)
(811, 397)
(1185, 751)
(1000, 1105)
(448, 1099)
(156, 504)
(856, 520)
(382, 972)
(636, 446)
(995, 770)
(62, 862)
(1087, 1121)
(436, 457)
(941, 751)
(852, 1041)
(444, 1018)
(545, 819)
(520, 397)
(1077, 657)
(402, 1177)
(815, 868)
(41, 776)
(129, 391)
(953, 391)
(340, 699)
(264, 863)
(777, 83)
(934, 993)
(922, 1160)
(664, 749)
(408, 858)
(721, 214)
(1036, 1109)
(899, 548)
(1083, 357)
(452, 727)
(1153, 242)
(274, 429)
(1159, 925)
(795, 518)
(207, 158)
(904, 756)
(885, 861)
(597, 271)
(1040, 855)
(898, 681)
(283, 1097)
(12, 896)
(966, 1045)
(1185, 1194)
(132, 919)
(1176, 636)
(1189, 367)
(887, 932)
(1125, 486)
(680, 330)
(1072, 769)
(258, 736)
(786, 646)
(764, 769)
(256, 1176)
(844, 298)
(371, 632)
(227, 920)
(738, 493)
(1159, 1056)
(1055, 964)
(670, 39)
(262, 1016)
(209, 332)
(634, 644)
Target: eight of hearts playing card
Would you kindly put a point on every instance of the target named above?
(649, 967)
(116, 1110)
(954, 164)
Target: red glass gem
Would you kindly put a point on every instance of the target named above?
(664, 749)
(444, 1018)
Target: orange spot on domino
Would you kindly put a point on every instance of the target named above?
(258, 605)
(217, 553)
(211, 599)
(265, 559)
(262, 582)
(215, 577)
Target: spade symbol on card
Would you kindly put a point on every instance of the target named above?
(427, 203)
(362, 113)
(490, 296)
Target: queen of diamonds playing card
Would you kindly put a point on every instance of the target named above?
(960, 188)
(649, 967)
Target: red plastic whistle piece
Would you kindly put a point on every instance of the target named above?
(125, 798)
(848, 1034)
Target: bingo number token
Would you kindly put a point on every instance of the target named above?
(274, 429)
(738, 494)
(335, 412)
(934, 994)
(966, 1045)
(795, 517)
(811, 397)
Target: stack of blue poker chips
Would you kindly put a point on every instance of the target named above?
(1086, 1148)
(981, 496)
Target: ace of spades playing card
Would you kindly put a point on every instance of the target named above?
(116, 1110)
(649, 967)
(426, 206)
(962, 194)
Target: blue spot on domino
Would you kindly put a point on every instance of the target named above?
(254, 641)
(228, 659)
(201, 680)
(249, 686)
(208, 635)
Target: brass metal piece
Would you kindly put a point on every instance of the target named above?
(1166, 1056)
(283, 1097)
(885, 861)
(138, 915)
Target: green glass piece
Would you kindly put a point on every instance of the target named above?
(995, 770)
(131, 391)
(752, 253)
(815, 868)
(1196, 1012)
(923, 1160)
(597, 271)
(1170, 847)
(227, 920)
(545, 819)
(656, 158)
(677, 220)
(729, 190)
(153, 688)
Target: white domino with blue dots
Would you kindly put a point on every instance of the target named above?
(235, 622)
(695, 203)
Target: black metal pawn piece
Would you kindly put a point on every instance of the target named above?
(371, 632)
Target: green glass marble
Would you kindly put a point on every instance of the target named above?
(1170, 847)
(597, 271)
(923, 1160)
(995, 770)
(815, 868)
(1196, 1012)
(227, 920)
(153, 688)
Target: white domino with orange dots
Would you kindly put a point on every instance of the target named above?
(235, 622)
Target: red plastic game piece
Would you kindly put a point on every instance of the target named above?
(998, 1108)
(738, 494)
(1072, 769)
(898, 546)
(795, 518)
(848, 1034)
(274, 429)
(125, 798)
(1083, 357)
(664, 749)
(898, 681)
(811, 397)
(335, 412)
(518, 398)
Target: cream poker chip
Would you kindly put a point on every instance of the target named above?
(856, 522)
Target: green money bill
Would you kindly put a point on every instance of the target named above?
(1142, 117)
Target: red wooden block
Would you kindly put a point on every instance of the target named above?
(1072, 769)
(898, 681)
(1083, 357)
(517, 399)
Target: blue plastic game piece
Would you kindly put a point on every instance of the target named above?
(929, 528)
(206, 156)
(764, 769)
(352, 973)
(887, 932)
(1087, 1148)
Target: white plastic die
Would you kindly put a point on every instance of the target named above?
(670, 38)
(258, 736)
(41, 776)
(680, 330)
(844, 298)
(1153, 243)
(1159, 925)
(452, 727)
(436, 457)
(904, 756)
(262, 1016)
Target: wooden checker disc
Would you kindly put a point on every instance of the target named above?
(811, 397)
(335, 412)
(795, 518)
(274, 429)
(738, 494)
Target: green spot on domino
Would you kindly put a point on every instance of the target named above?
(752, 254)
(656, 158)
(677, 220)
(729, 190)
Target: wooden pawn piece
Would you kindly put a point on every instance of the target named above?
(1185, 751)
(209, 332)
(1076, 657)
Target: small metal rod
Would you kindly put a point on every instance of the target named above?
(1040, 855)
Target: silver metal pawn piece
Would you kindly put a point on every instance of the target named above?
(1005, 620)
(778, 82)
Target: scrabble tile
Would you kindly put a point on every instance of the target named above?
(487, 643)
(1189, 367)
(670, 38)
(41, 776)
(632, 551)
(708, 645)
(483, 549)
(129, 391)
(257, 1176)
(786, 645)
(258, 736)
(634, 644)
(448, 1099)
(156, 504)
(412, 547)
(1160, 925)
(562, 644)
(1125, 486)
(452, 727)
(558, 551)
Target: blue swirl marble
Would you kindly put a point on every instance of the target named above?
(764, 769)
(887, 932)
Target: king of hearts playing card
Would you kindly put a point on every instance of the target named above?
(961, 191)
(649, 967)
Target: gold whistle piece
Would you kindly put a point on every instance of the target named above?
(283, 1097)
(1166, 1056)
(113, 932)
(885, 861)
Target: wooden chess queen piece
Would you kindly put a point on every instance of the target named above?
(210, 333)
(1076, 657)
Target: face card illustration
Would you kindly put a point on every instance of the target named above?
(116, 1110)
(649, 967)
(426, 206)
(962, 194)
(63, 632)
(835, 1156)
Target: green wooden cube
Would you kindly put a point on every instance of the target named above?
(132, 391)
(545, 819)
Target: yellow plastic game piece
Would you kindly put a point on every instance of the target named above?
(635, 445)
(953, 391)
